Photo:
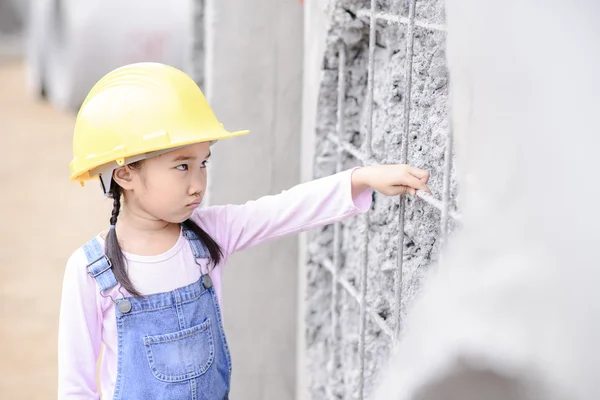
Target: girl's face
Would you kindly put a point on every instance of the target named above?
(169, 186)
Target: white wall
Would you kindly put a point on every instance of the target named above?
(253, 81)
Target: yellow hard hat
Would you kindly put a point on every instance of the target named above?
(137, 111)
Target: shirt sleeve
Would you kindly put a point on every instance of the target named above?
(79, 332)
(305, 206)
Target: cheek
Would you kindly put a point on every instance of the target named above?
(161, 186)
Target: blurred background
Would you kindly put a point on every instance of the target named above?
(326, 85)
(51, 53)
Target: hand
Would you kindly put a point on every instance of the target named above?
(390, 180)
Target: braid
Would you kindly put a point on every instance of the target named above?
(113, 249)
(116, 195)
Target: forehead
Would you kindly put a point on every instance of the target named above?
(197, 150)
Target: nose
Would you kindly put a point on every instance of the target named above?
(197, 182)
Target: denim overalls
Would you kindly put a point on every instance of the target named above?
(170, 345)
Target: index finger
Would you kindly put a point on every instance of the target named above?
(414, 182)
(418, 172)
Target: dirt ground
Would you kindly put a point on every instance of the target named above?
(44, 218)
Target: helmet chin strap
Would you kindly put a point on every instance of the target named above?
(105, 172)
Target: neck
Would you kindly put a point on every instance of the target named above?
(134, 220)
(141, 234)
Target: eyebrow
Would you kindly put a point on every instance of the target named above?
(187, 158)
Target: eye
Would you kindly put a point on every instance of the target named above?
(203, 164)
(182, 167)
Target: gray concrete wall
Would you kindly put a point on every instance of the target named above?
(195, 62)
(253, 78)
(13, 16)
(428, 129)
(513, 313)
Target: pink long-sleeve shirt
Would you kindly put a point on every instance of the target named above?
(88, 320)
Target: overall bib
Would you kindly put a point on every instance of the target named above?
(170, 345)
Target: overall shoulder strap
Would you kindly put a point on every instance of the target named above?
(198, 247)
(99, 266)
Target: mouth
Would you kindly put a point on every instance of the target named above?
(194, 204)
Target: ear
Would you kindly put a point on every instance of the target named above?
(124, 177)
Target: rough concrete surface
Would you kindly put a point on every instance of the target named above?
(513, 313)
(426, 143)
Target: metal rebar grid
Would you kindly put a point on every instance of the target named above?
(368, 153)
(365, 156)
(351, 290)
(360, 156)
(399, 19)
(446, 189)
(408, 64)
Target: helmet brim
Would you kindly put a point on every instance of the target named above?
(133, 157)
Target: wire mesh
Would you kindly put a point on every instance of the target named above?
(365, 156)
(368, 151)
(404, 159)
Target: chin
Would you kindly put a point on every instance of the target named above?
(178, 219)
(186, 216)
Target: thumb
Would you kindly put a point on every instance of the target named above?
(414, 182)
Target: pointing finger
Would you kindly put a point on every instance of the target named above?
(412, 181)
(418, 173)
(416, 183)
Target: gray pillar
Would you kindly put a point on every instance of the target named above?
(315, 31)
(253, 81)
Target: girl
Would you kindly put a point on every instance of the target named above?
(149, 287)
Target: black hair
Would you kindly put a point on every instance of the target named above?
(114, 253)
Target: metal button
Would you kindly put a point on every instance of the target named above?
(207, 282)
(124, 306)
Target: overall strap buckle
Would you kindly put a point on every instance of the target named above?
(99, 266)
(104, 266)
